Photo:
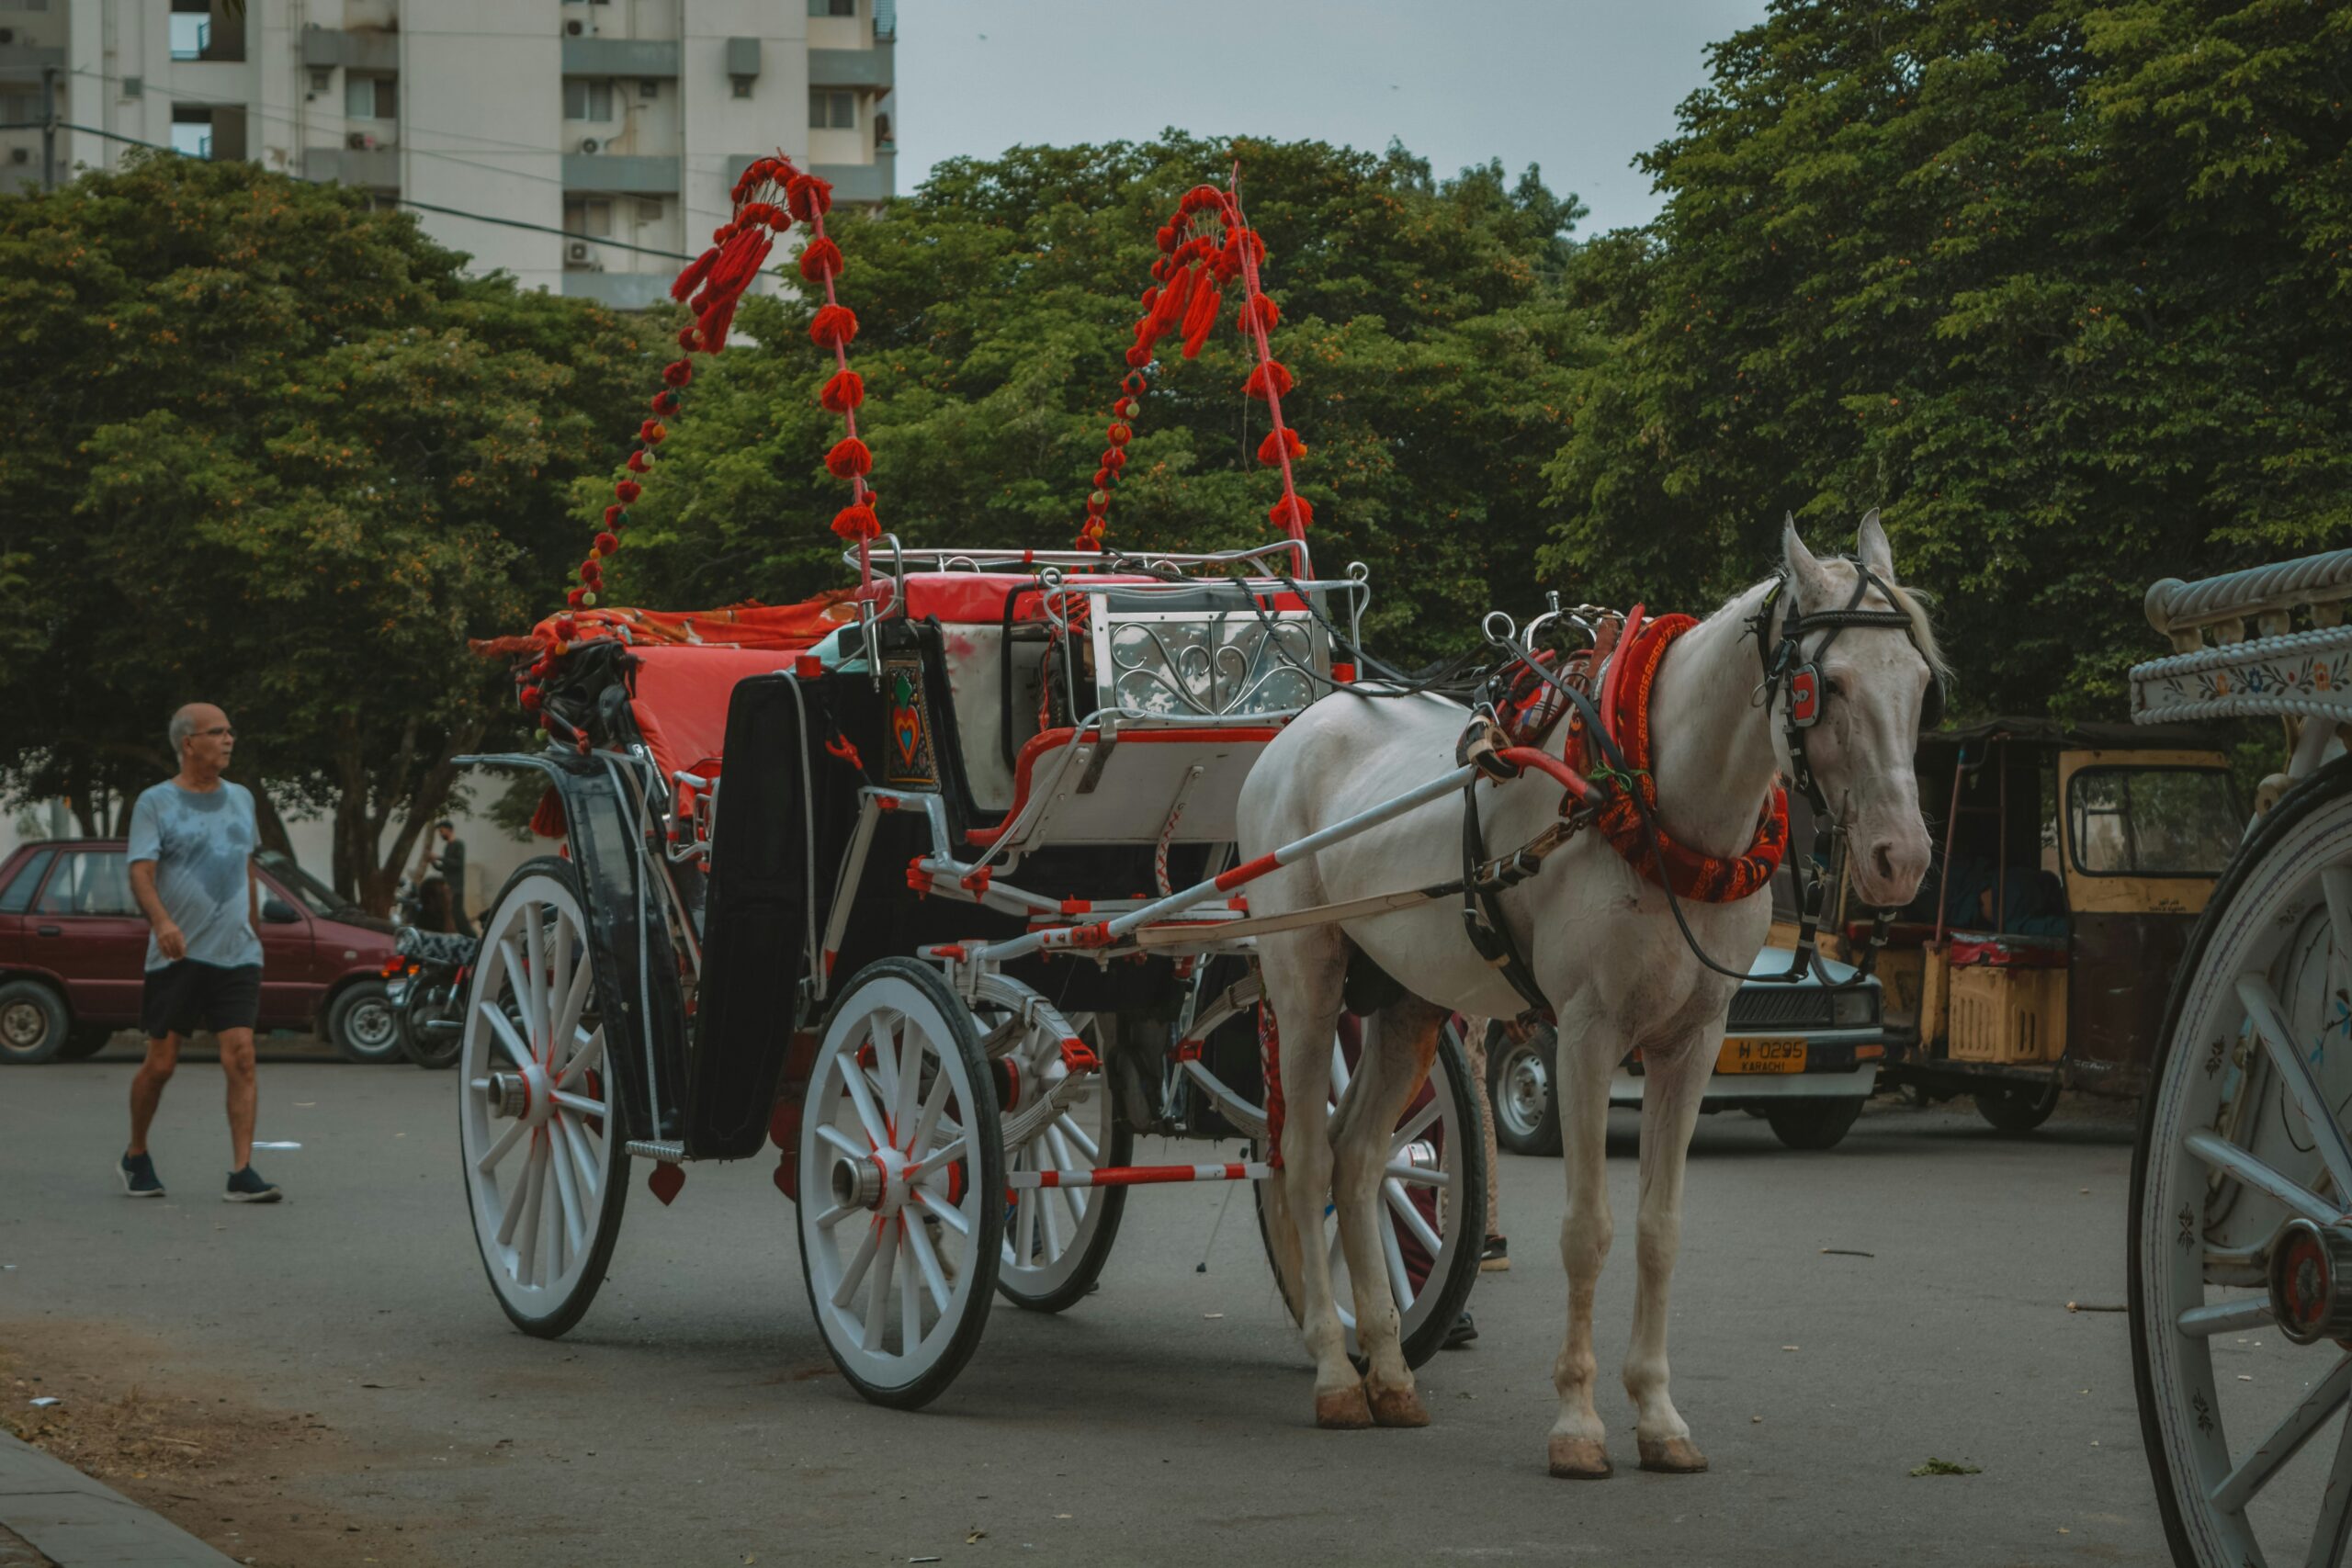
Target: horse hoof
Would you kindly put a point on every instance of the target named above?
(1399, 1407)
(1671, 1456)
(1345, 1411)
(1579, 1459)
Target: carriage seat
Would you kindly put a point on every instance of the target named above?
(678, 699)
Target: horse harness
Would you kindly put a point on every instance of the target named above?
(1788, 674)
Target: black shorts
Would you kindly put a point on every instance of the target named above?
(183, 997)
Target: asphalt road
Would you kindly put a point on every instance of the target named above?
(695, 1418)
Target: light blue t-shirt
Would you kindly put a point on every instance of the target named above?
(201, 842)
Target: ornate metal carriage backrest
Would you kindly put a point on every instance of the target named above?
(1204, 655)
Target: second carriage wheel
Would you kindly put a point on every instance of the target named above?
(546, 1166)
(1057, 1238)
(901, 1211)
(2240, 1247)
(1433, 1197)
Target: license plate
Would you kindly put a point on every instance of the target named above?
(1761, 1057)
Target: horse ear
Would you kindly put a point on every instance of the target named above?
(1870, 546)
(1806, 574)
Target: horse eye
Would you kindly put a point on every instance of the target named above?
(1833, 686)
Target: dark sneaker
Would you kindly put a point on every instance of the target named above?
(1463, 1331)
(1495, 1255)
(247, 1186)
(139, 1177)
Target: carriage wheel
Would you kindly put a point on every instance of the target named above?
(546, 1171)
(1057, 1239)
(2241, 1244)
(901, 1212)
(1433, 1196)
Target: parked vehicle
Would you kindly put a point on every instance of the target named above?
(74, 956)
(2073, 861)
(426, 982)
(1803, 1057)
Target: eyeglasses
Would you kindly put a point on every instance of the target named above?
(220, 729)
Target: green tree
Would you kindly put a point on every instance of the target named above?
(2061, 286)
(272, 450)
(1422, 318)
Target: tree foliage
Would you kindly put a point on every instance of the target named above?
(1421, 317)
(270, 450)
(2062, 286)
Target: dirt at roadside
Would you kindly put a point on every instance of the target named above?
(241, 1477)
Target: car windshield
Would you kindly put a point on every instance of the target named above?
(315, 896)
(2151, 821)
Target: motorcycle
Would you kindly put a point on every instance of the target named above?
(425, 979)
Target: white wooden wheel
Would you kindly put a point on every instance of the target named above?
(901, 1212)
(538, 1125)
(1433, 1195)
(1057, 1239)
(2241, 1246)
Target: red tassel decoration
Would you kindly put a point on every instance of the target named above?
(1173, 301)
(1269, 450)
(1288, 508)
(820, 259)
(1203, 322)
(849, 459)
(832, 327)
(529, 698)
(628, 490)
(858, 522)
(715, 325)
(614, 514)
(573, 598)
(664, 403)
(566, 627)
(639, 463)
(652, 432)
(691, 278)
(1272, 371)
(845, 391)
(1138, 357)
(1121, 436)
(688, 337)
(590, 573)
(807, 196)
(607, 544)
(1257, 311)
(678, 372)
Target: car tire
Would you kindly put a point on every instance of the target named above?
(33, 1024)
(2017, 1108)
(360, 1023)
(1519, 1091)
(84, 1041)
(1813, 1124)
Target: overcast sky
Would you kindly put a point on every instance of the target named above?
(1578, 87)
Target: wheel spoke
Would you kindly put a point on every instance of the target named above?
(2295, 1072)
(834, 1137)
(567, 1019)
(909, 1293)
(1024, 1224)
(499, 1150)
(532, 979)
(1076, 1196)
(907, 1100)
(877, 1294)
(506, 1032)
(927, 1261)
(939, 1159)
(1402, 1207)
(889, 1045)
(2285, 1440)
(835, 1215)
(1075, 1134)
(934, 1105)
(578, 1104)
(1400, 1289)
(1422, 1120)
(526, 1239)
(585, 1055)
(2335, 1508)
(2203, 1323)
(1047, 1217)
(559, 976)
(567, 1196)
(939, 1209)
(575, 1146)
(2231, 1160)
(512, 1215)
(854, 1275)
(853, 1077)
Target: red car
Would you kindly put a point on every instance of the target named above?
(74, 954)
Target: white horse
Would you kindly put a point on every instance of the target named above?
(1599, 940)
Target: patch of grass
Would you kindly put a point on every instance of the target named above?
(1945, 1467)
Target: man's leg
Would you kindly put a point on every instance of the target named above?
(147, 1087)
(237, 1063)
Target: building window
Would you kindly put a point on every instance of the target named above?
(584, 99)
(370, 97)
(192, 131)
(831, 108)
(191, 34)
(832, 7)
(588, 217)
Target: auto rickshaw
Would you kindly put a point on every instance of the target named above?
(2071, 861)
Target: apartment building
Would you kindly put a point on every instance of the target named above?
(584, 146)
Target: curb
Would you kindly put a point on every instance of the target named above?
(75, 1522)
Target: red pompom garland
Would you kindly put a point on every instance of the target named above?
(1204, 249)
(849, 459)
(833, 326)
(845, 391)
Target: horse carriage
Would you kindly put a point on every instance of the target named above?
(954, 882)
(2240, 1229)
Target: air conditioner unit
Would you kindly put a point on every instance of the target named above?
(579, 252)
(20, 154)
(7, 35)
(360, 141)
(649, 89)
(574, 29)
(589, 144)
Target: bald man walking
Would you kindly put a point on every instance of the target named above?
(192, 842)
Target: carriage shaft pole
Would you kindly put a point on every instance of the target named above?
(1139, 1174)
(1103, 933)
